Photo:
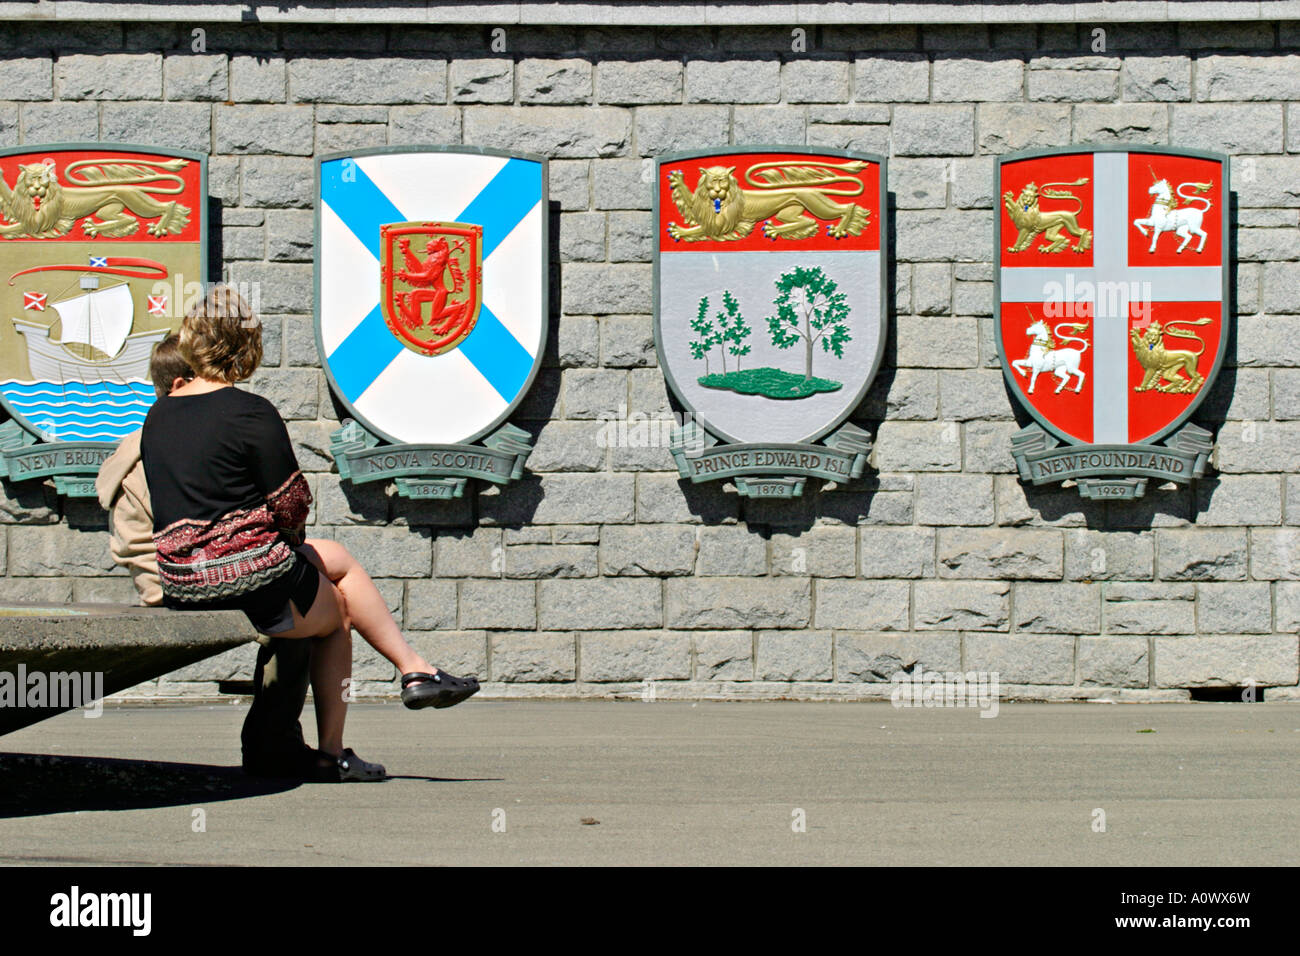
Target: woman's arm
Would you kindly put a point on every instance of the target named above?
(276, 473)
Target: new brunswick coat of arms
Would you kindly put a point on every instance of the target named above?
(769, 316)
(1112, 313)
(101, 247)
(431, 308)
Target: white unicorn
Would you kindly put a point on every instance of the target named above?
(1166, 216)
(1045, 357)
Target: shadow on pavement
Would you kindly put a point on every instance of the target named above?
(35, 784)
(412, 776)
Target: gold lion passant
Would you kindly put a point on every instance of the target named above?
(1033, 222)
(1168, 366)
(39, 206)
(784, 192)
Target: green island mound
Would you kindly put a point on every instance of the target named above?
(768, 382)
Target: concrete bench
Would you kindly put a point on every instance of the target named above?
(126, 645)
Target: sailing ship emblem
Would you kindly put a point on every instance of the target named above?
(96, 343)
(82, 308)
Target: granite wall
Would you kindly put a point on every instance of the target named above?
(602, 573)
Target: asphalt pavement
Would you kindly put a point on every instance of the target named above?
(667, 782)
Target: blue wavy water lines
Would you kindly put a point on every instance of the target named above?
(76, 411)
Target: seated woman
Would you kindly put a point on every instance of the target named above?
(229, 506)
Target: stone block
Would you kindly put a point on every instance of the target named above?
(954, 499)
(390, 552)
(1113, 662)
(820, 552)
(648, 550)
(1006, 127)
(871, 657)
(1022, 658)
(730, 550)
(1109, 555)
(430, 605)
(793, 655)
(635, 655)
(1010, 553)
(1149, 608)
(485, 80)
(564, 132)
(892, 78)
(196, 78)
(1201, 555)
(1214, 661)
(1058, 608)
(601, 603)
(961, 605)
(933, 131)
(1234, 608)
(862, 605)
(549, 81)
(551, 561)
(738, 602)
(506, 605)
(724, 655)
(369, 80)
(733, 81)
(534, 657)
(958, 80)
(109, 76)
(639, 83)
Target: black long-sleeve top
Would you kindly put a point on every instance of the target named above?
(228, 496)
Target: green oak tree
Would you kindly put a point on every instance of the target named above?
(810, 308)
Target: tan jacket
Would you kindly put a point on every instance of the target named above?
(124, 494)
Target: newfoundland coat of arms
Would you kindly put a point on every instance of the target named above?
(1112, 313)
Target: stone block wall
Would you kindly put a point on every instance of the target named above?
(600, 572)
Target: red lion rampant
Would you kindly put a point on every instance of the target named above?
(430, 286)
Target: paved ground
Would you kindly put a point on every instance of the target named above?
(675, 782)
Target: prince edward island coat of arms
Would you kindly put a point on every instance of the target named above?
(1112, 313)
(769, 313)
(431, 310)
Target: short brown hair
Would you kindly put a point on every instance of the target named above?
(166, 364)
(221, 338)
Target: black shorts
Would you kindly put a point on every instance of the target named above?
(268, 608)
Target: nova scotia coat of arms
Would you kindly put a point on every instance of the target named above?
(431, 309)
(769, 315)
(1112, 312)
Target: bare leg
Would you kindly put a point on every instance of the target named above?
(331, 665)
(327, 625)
(365, 606)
